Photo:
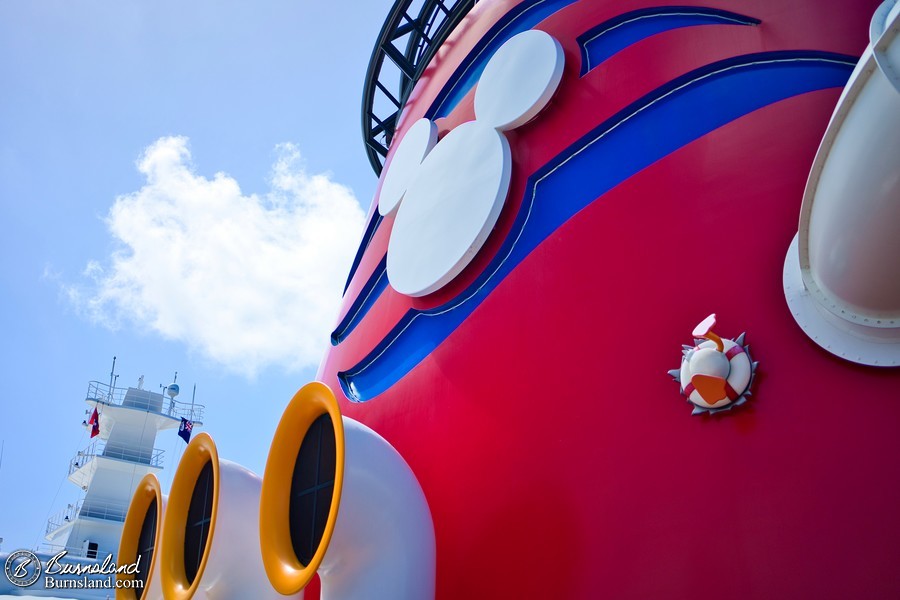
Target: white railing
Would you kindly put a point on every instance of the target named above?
(145, 400)
(73, 551)
(152, 457)
(55, 549)
(63, 517)
(97, 509)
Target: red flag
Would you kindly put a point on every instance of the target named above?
(95, 422)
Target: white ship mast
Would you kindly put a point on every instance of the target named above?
(110, 467)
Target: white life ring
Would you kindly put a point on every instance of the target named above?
(738, 380)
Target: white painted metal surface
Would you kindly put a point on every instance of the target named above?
(519, 80)
(841, 337)
(848, 251)
(234, 570)
(883, 34)
(233, 565)
(450, 209)
(383, 546)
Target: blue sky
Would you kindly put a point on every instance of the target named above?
(182, 185)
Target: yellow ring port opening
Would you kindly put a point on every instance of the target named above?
(148, 490)
(285, 570)
(176, 583)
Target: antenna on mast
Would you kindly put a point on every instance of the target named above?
(112, 374)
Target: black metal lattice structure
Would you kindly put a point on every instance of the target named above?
(419, 30)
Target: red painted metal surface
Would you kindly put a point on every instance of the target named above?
(558, 457)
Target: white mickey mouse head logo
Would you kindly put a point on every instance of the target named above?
(447, 196)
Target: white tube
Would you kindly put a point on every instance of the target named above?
(883, 33)
(231, 566)
(148, 490)
(848, 252)
(378, 542)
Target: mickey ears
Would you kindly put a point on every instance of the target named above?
(447, 196)
(404, 164)
(516, 84)
(519, 80)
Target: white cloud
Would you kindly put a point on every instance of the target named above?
(250, 281)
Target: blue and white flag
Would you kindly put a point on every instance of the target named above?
(185, 430)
